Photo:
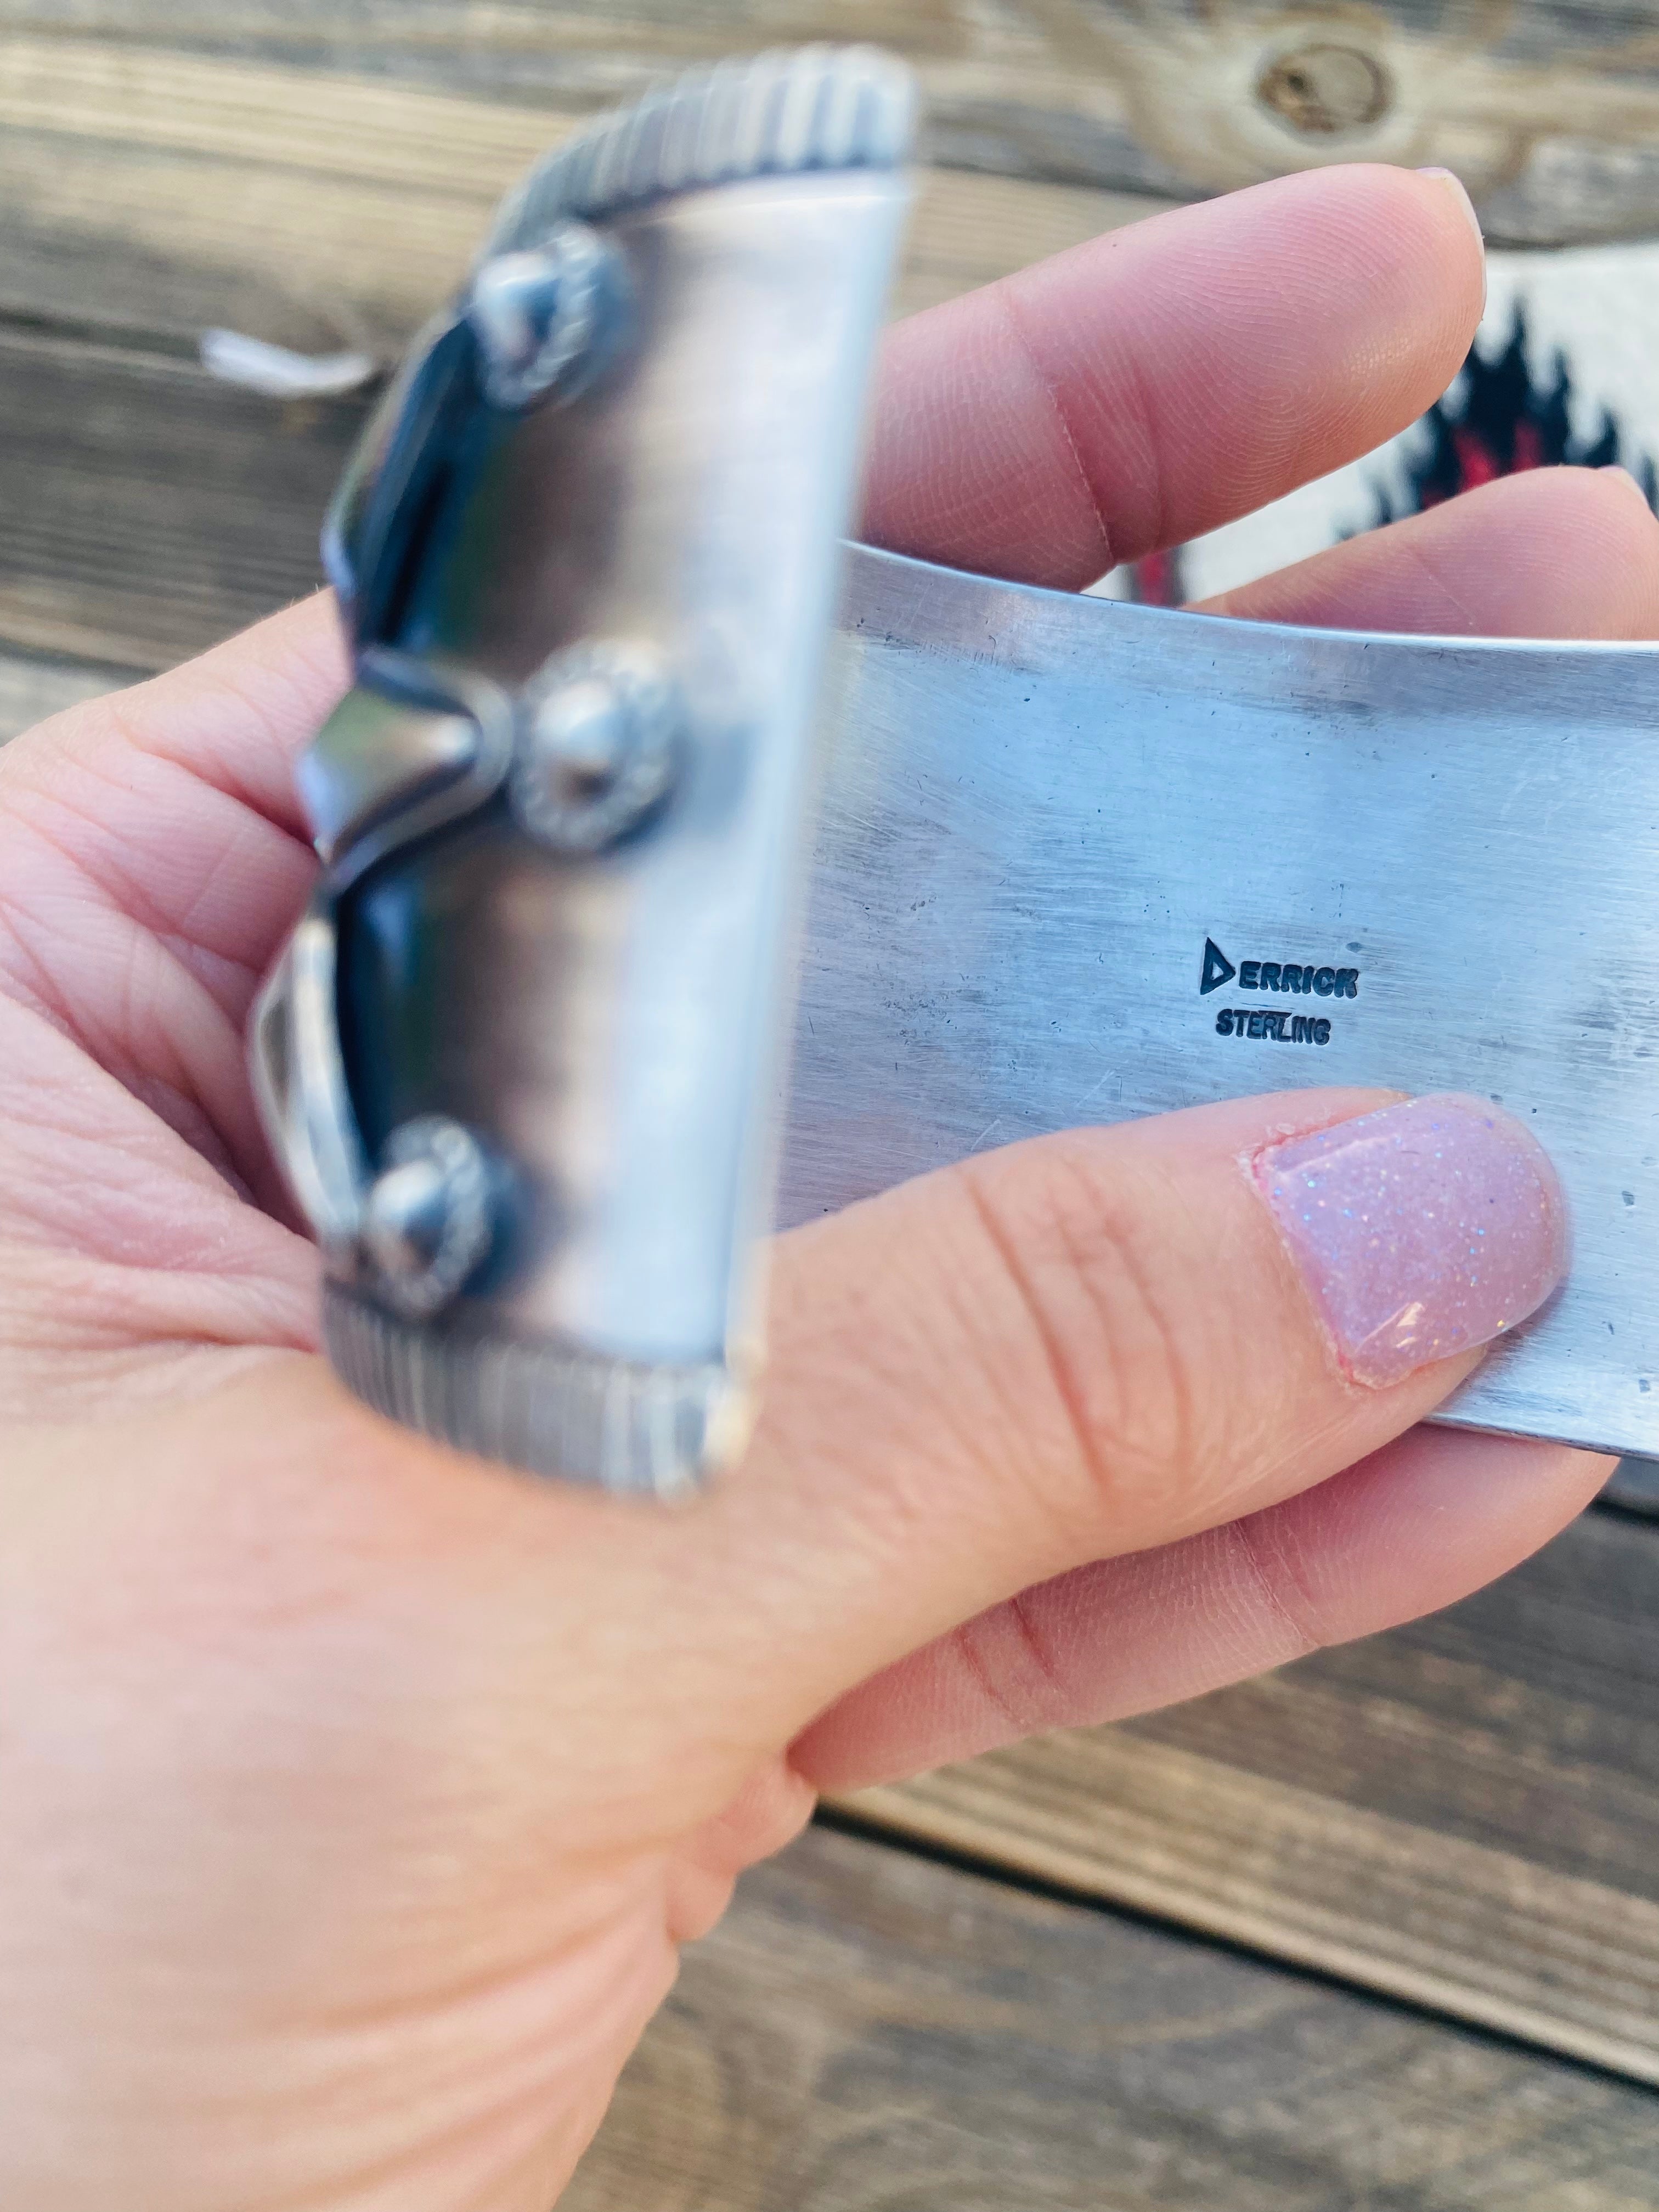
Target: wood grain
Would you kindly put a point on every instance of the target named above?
(1546, 108)
(150, 510)
(871, 2032)
(1464, 1812)
(149, 196)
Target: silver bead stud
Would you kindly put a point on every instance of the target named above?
(548, 319)
(599, 736)
(426, 1222)
(581, 736)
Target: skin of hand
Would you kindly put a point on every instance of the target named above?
(356, 1796)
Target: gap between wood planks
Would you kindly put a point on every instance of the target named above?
(872, 2027)
(1463, 1813)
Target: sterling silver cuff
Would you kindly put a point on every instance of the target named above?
(521, 1059)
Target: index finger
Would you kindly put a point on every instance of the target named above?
(1169, 377)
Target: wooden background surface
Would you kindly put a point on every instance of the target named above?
(1546, 108)
(1379, 1930)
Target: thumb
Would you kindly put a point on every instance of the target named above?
(1100, 1342)
(1081, 1347)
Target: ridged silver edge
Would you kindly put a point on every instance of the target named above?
(542, 1407)
(778, 114)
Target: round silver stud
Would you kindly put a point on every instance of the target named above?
(598, 743)
(547, 319)
(426, 1222)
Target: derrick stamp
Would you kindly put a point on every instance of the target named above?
(1299, 978)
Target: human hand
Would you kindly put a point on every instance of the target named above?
(354, 1796)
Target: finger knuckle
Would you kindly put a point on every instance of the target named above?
(1114, 1339)
(1010, 1657)
(1268, 1570)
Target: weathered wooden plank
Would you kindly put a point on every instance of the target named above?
(869, 2031)
(148, 509)
(1464, 1812)
(1547, 108)
(151, 510)
(157, 194)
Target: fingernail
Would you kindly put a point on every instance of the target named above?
(1454, 185)
(1617, 473)
(1425, 1229)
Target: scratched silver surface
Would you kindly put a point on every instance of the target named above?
(1037, 809)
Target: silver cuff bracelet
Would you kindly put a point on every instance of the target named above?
(522, 1060)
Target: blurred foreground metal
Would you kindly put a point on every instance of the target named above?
(521, 1057)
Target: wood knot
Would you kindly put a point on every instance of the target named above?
(1321, 89)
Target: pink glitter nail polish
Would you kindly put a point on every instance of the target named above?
(1421, 1230)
